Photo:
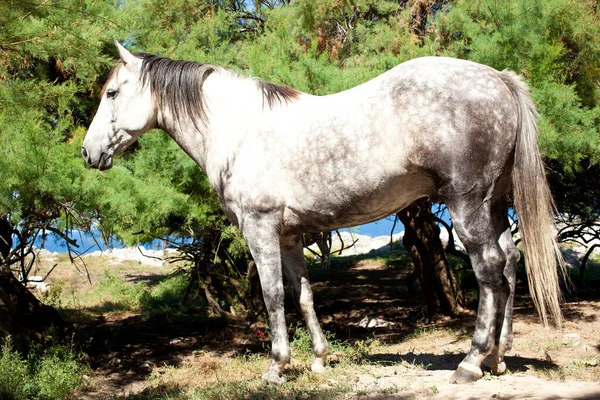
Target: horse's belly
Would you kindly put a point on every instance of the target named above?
(316, 212)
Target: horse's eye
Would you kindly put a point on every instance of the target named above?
(111, 93)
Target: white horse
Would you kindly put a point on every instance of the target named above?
(285, 162)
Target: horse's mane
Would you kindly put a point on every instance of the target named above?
(177, 85)
(275, 94)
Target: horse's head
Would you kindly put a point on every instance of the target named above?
(126, 111)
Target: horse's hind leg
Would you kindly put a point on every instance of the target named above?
(295, 268)
(504, 332)
(472, 216)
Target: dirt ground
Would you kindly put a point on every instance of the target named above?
(545, 363)
(411, 358)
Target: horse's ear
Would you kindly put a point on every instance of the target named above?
(128, 59)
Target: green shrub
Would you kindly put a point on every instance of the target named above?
(51, 374)
(301, 346)
(167, 294)
(58, 373)
(13, 373)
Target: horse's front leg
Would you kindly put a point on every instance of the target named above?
(261, 231)
(295, 268)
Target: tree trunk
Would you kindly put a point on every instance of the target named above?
(5, 243)
(22, 315)
(422, 241)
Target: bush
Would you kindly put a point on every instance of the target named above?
(301, 346)
(58, 373)
(166, 298)
(13, 373)
(51, 374)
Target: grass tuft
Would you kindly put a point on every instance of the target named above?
(54, 373)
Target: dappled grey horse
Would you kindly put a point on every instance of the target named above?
(285, 162)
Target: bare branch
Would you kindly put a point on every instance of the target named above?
(392, 234)
(48, 273)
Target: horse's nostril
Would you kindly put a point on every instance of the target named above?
(84, 153)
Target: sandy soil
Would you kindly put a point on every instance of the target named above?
(419, 386)
(544, 363)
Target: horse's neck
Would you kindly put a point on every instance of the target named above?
(186, 134)
(228, 98)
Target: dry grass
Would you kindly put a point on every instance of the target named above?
(212, 376)
(97, 285)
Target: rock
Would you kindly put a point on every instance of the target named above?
(363, 244)
(366, 381)
(149, 257)
(585, 348)
(378, 322)
(115, 361)
(148, 366)
(46, 255)
(571, 338)
(176, 340)
(39, 285)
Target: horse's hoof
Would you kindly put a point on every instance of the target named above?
(273, 378)
(318, 365)
(466, 374)
(501, 368)
(494, 369)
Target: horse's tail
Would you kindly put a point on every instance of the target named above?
(535, 208)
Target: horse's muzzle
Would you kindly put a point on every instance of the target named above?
(86, 156)
(103, 162)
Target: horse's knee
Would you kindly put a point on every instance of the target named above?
(273, 298)
(513, 255)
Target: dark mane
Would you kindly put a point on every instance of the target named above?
(176, 85)
(273, 93)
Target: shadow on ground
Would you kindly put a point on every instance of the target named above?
(437, 362)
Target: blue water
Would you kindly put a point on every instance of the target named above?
(85, 241)
(87, 244)
(382, 227)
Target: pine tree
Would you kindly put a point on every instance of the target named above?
(53, 54)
